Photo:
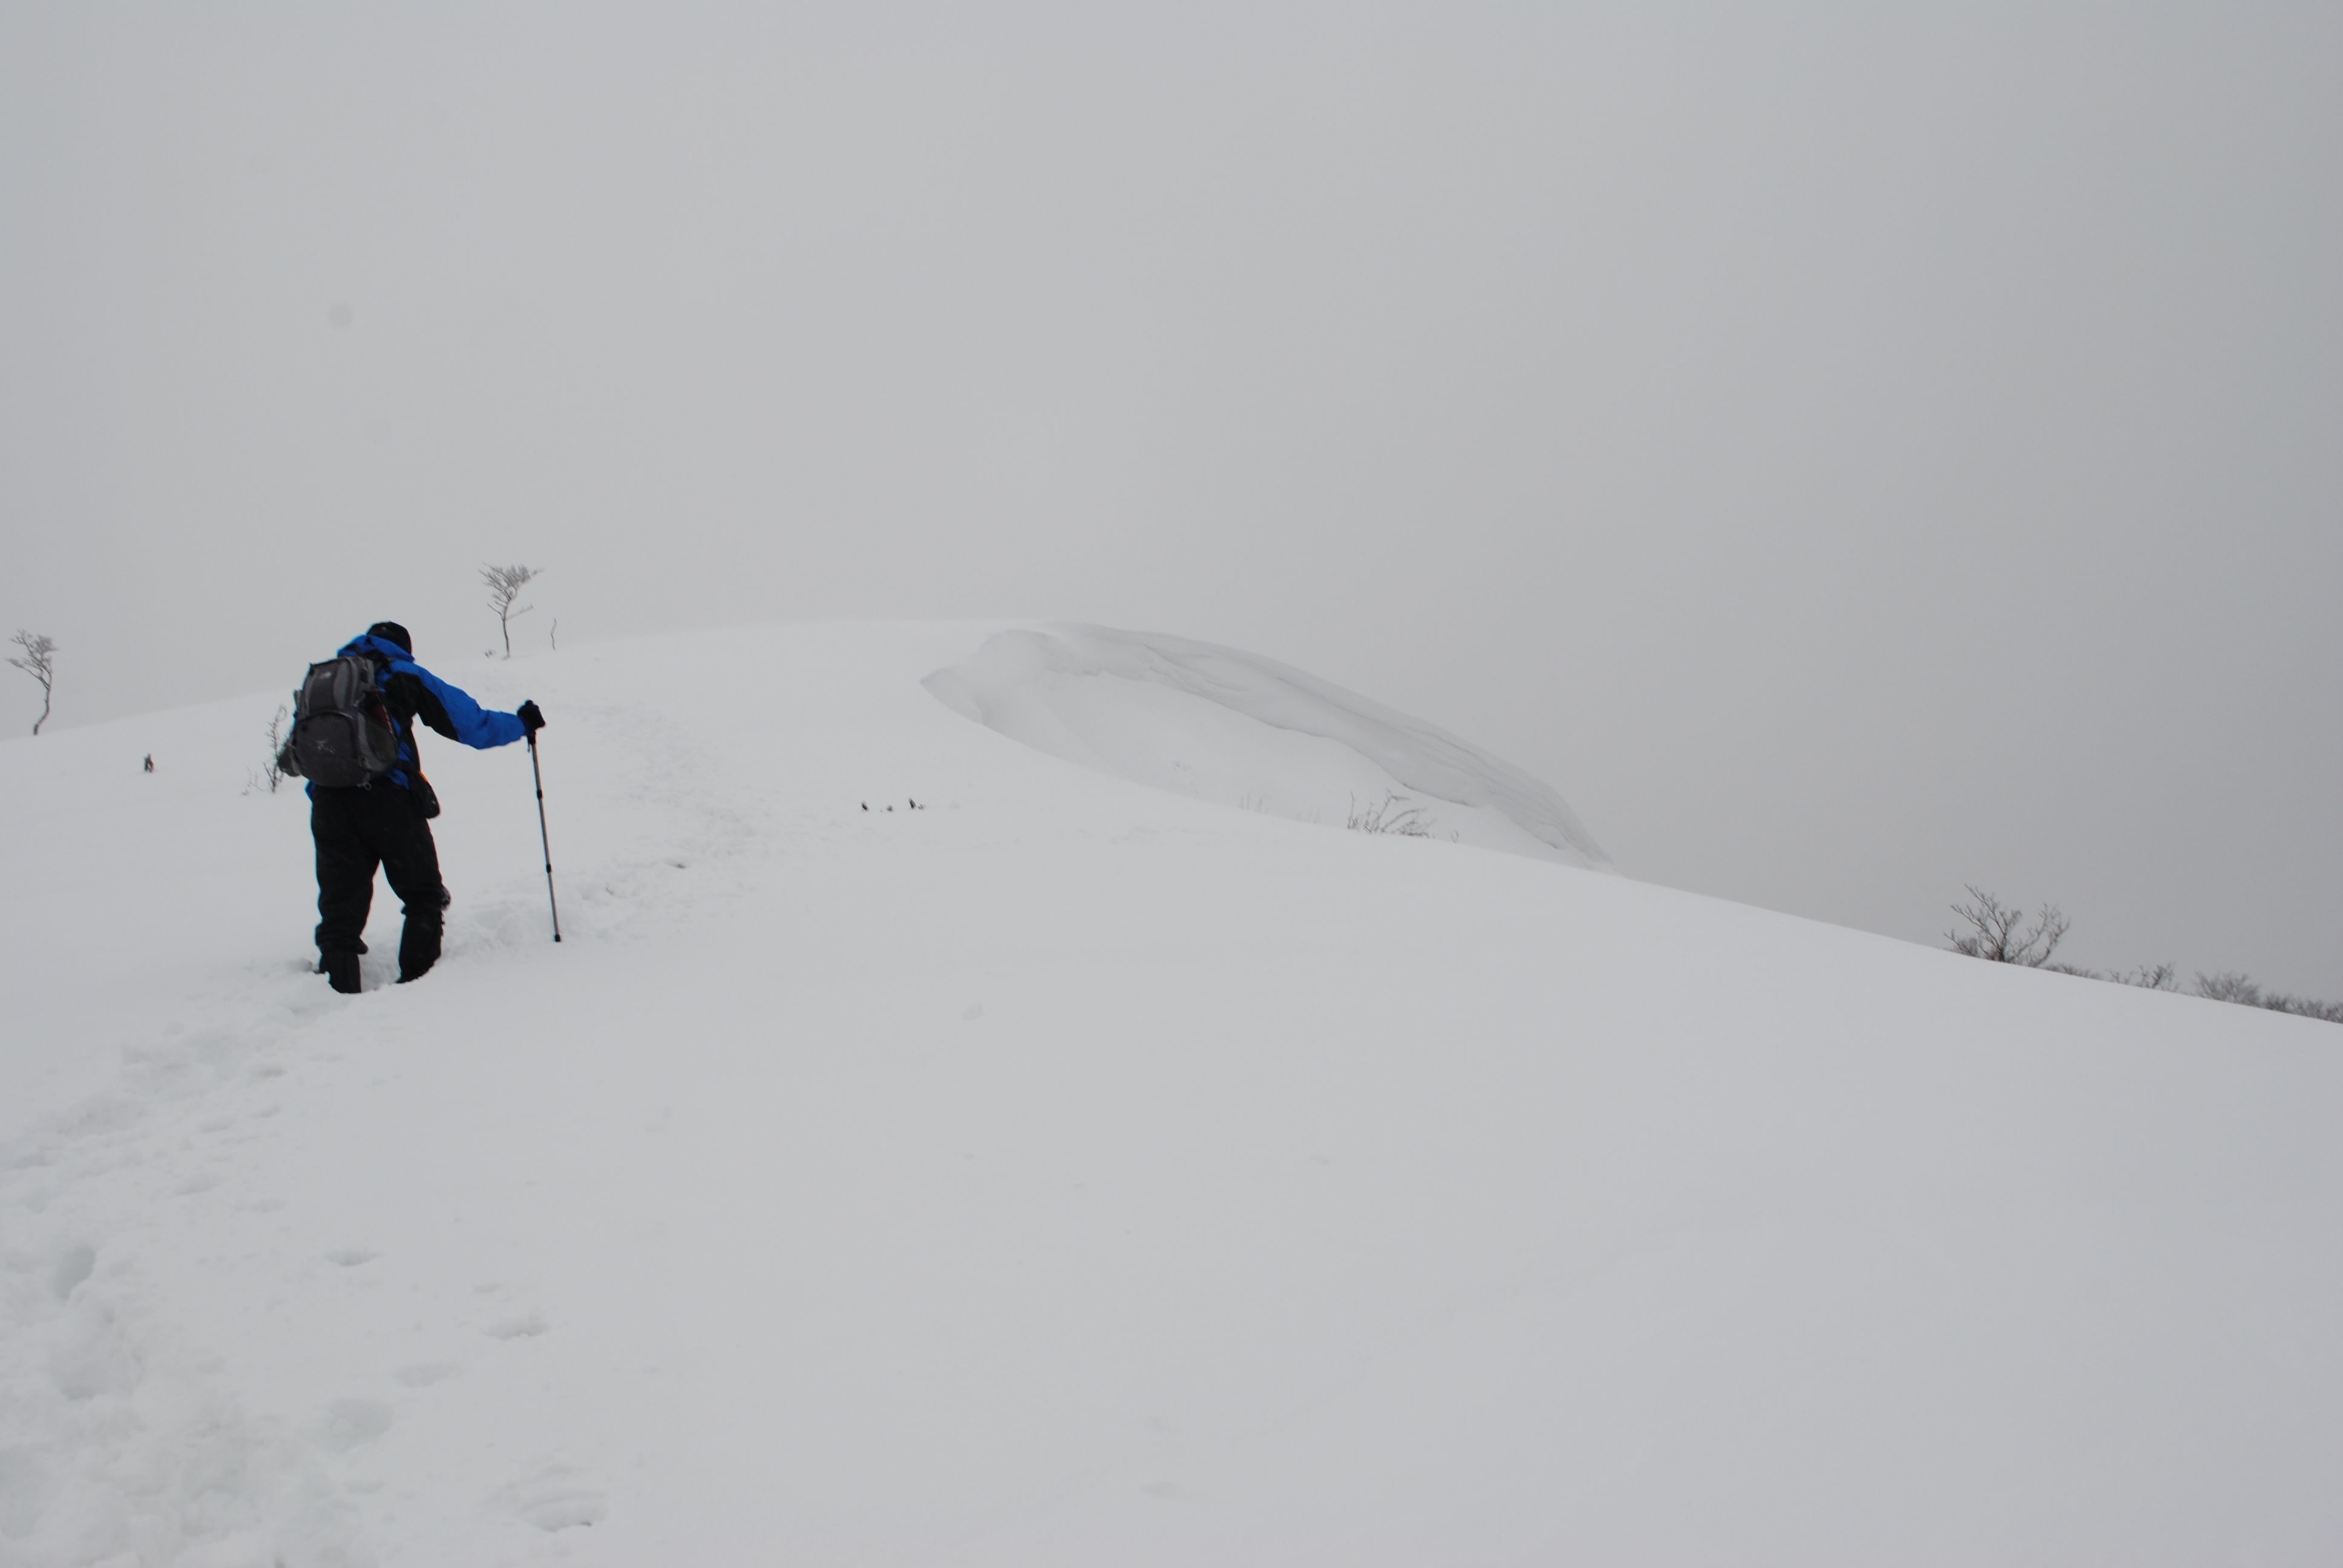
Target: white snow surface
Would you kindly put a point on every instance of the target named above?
(1232, 727)
(1070, 1172)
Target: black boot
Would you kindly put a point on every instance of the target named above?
(341, 971)
(419, 943)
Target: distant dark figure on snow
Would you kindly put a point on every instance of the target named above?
(369, 804)
(150, 763)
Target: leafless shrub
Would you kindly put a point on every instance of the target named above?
(40, 662)
(2228, 985)
(2148, 977)
(504, 584)
(1998, 932)
(275, 772)
(1393, 815)
(2231, 987)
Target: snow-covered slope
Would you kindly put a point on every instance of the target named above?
(1067, 1171)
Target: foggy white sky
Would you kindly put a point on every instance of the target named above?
(1845, 454)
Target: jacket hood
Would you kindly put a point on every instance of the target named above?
(380, 647)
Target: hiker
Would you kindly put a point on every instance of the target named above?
(369, 803)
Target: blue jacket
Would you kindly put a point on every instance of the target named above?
(412, 692)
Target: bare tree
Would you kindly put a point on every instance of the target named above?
(40, 662)
(504, 584)
(1999, 934)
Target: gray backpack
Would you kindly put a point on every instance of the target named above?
(342, 733)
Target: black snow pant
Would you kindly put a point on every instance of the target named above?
(355, 830)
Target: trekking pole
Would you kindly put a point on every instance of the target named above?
(538, 775)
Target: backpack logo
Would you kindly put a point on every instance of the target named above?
(342, 733)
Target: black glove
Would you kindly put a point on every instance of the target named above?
(531, 717)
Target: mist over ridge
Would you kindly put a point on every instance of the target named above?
(1854, 455)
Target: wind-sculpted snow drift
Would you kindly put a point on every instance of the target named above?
(1244, 730)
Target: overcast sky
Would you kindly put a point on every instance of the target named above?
(1847, 450)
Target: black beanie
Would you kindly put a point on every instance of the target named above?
(391, 631)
